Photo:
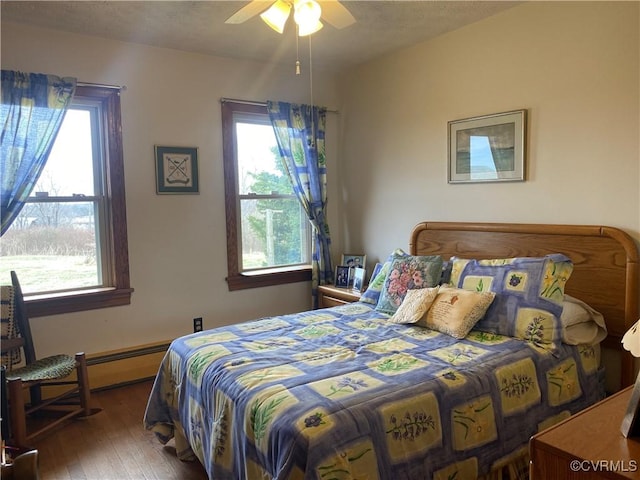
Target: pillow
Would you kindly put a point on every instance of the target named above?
(455, 311)
(529, 294)
(581, 324)
(415, 304)
(372, 293)
(405, 273)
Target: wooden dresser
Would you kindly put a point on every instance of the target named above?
(587, 445)
(330, 296)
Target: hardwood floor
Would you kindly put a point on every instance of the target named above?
(113, 444)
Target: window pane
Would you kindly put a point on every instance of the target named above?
(53, 246)
(69, 168)
(259, 169)
(274, 233)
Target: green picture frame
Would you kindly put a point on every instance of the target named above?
(176, 170)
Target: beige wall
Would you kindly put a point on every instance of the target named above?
(574, 66)
(177, 243)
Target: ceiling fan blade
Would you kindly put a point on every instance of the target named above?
(250, 10)
(336, 14)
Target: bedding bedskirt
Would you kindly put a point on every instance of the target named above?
(342, 393)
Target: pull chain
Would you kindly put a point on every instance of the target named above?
(313, 129)
(312, 139)
(297, 51)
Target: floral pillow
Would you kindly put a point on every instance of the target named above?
(455, 311)
(407, 272)
(529, 294)
(372, 293)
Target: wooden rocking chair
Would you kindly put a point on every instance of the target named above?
(37, 373)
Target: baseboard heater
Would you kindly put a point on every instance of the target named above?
(126, 366)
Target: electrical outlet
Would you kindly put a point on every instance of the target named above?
(197, 324)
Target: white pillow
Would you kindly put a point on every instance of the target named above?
(414, 305)
(581, 324)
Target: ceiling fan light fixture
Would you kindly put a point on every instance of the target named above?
(304, 30)
(306, 14)
(277, 15)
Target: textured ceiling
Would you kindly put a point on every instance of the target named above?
(198, 26)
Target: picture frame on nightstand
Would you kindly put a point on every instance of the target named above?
(358, 278)
(342, 276)
(353, 260)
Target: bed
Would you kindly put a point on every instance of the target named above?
(348, 393)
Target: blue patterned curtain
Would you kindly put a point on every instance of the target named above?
(32, 107)
(300, 131)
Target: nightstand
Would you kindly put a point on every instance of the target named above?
(330, 296)
(587, 445)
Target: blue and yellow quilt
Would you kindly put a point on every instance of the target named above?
(342, 393)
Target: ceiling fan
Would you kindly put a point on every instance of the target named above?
(306, 13)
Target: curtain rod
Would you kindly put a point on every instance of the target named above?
(101, 85)
(255, 102)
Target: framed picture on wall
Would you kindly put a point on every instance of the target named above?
(176, 170)
(490, 148)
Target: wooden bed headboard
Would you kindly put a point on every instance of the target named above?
(605, 259)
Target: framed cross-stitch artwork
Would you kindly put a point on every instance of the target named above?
(176, 170)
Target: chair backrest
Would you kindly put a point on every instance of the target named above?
(11, 347)
(22, 320)
(16, 334)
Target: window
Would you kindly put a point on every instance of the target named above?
(268, 232)
(69, 243)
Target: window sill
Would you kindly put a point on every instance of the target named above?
(55, 304)
(258, 279)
